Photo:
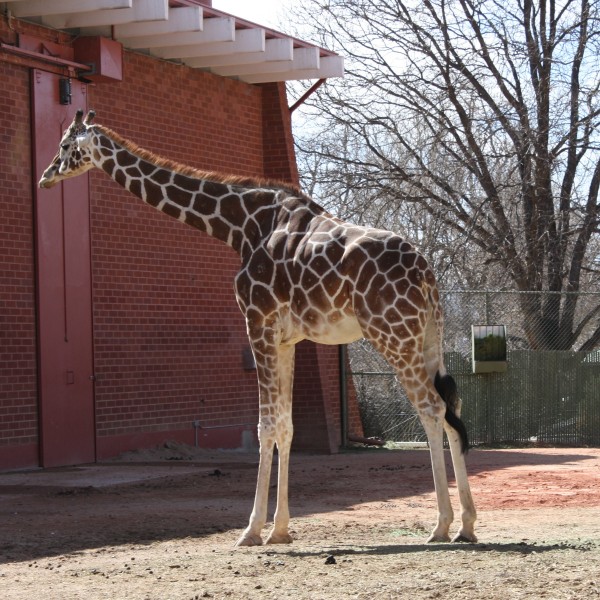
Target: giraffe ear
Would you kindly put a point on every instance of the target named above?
(90, 117)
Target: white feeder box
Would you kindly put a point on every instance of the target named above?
(488, 343)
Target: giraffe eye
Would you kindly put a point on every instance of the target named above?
(65, 146)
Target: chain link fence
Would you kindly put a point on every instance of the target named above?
(550, 392)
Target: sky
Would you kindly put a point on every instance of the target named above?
(262, 12)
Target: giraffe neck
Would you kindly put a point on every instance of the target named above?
(222, 207)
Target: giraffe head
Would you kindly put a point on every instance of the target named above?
(74, 155)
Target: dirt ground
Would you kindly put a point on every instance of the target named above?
(165, 529)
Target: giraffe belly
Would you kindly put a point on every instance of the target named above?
(346, 331)
(337, 329)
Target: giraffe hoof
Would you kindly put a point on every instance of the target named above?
(249, 540)
(279, 538)
(438, 538)
(462, 537)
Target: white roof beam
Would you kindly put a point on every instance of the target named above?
(275, 50)
(246, 40)
(40, 8)
(185, 18)
(183, 33)
(141, 10)
(330, 66)
(304, 58)
(213, 30)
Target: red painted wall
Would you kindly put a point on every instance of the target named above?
(18, 372)
(168, 335)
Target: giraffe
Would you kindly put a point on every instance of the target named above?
(304, 274)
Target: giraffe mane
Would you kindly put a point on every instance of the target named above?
(214, 176)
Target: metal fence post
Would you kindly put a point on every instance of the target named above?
(342, 354)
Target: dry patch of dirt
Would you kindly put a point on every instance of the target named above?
(165, 529)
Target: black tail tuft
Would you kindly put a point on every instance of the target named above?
(446, 388)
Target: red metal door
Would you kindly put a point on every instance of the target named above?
(66, 388)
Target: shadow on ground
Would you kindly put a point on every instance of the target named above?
(47, 513)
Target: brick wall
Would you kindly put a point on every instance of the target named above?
(168, 336)
(166, 311)
(18, 393)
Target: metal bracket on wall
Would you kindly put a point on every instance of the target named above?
(306, 95)
(72, 66)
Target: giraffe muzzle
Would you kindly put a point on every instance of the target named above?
(45, 183)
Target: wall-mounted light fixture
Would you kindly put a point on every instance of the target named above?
(64, 91)
(248, 362)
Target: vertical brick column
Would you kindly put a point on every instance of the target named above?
(278, 142)
(317, 381)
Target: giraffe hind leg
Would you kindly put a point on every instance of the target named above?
(459, 445)
(446, 388)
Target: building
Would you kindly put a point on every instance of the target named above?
(119, 328)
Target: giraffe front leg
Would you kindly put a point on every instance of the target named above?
(251, 535)
(280, 533)
(274, 364)
(265, 355)
(285, 432)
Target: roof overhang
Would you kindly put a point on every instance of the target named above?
(189, 32)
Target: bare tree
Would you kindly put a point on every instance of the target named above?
(332, 170)
(485, 116)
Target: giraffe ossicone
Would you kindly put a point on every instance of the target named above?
(304, 274)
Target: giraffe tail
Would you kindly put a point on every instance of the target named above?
(446, 388)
